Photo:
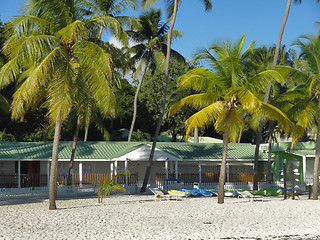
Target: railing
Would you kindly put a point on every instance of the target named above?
(212, 177)
(7, 193)
(26, 180)
(96, 178)
(36, 180)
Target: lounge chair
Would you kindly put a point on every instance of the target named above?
(158, 194)
(243, 195)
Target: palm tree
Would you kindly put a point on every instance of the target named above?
(223, 92)
(151, 38)
(110, 10)
(267, 93)
(262, 60)
(85, 104)
(51, 49)
(306, 110)
(174, 7)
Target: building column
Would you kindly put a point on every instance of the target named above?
(116, 170)
(126, 169)
(48, 173)
(228, 172)
(304, 167)
(176, 168)
(111, 169)
(80, 173)
(166, 168)
(19, 173)
(200, 171)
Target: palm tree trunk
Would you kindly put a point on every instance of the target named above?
(316, 162)
(100, 33)
(269, 152)
(73, 151)
(196, 135)
(163, 99)
(222, 175)
(54, 164)
(86, 134)
(135, 103)
(267, 95)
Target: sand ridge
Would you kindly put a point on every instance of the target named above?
(141, 217)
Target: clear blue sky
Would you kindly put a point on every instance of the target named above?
(228, 20)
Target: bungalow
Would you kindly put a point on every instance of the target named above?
(24, 164)
(301, 156)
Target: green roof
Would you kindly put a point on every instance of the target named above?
(85, 150)
(110, 150)
(210, 150)
(300, 148)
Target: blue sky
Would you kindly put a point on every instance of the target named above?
(228, 20)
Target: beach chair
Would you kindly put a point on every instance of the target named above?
(159, 195)
(244, 195)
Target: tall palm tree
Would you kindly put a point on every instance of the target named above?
(174, 7)
(112, 11)
(261, 60)
(52, 48)
(267, 92)
(306, 110)
(223, 92)
(151, 38)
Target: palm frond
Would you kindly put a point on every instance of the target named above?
(72, 32)
(247, 99)
(275, 114)
(205, 117)
(112, 25)
(148, 3)
(197, 101)
(9, 72)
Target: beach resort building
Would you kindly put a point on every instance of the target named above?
(27, 164)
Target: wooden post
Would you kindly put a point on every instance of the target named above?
(19, 173)
(310, 191)
(284, 181)
(166, 167)
(292, 179)
(176, 168)
(200, 172)
(126, 169)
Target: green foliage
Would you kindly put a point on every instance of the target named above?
(109, 185)
(149, 100)
(6, 137)
(225, 89)
(140, 136)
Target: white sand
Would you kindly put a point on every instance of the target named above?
(140, 217)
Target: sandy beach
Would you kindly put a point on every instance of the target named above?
(141, 217)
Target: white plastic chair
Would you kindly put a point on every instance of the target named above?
(243, 195)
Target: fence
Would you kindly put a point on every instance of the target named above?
(26, 180)
(41, 180)
(212, 177)
(96, 178)
(228, 185)
(62, 191)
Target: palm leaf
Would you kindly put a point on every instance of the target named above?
(74, 31)
(275, 114)
(197, 101)
(9, 72)
(204, 117)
